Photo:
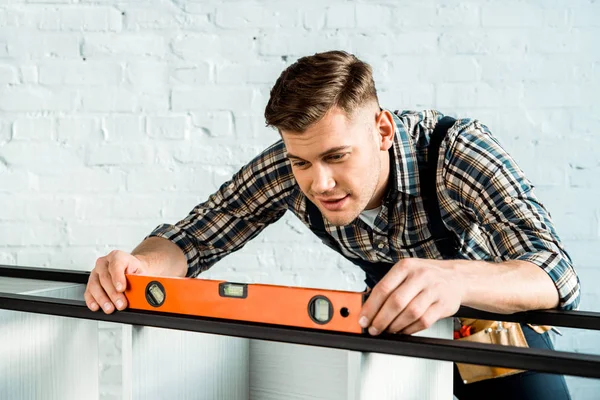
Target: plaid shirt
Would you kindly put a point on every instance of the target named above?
(485, 200)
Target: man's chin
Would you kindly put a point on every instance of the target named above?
(339, 220)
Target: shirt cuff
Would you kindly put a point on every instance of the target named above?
(562, 274)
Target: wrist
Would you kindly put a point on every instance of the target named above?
(461, 279)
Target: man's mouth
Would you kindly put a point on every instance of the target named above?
(334, 204)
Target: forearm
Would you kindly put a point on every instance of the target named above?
(161, 257)
(506, 287)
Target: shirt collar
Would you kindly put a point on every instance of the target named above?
(404, 176)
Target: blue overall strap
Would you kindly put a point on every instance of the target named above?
(445, 240)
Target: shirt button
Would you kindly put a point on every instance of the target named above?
(381, 245)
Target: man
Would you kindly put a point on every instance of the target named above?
(357, 176)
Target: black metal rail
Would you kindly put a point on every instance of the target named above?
(569, 319)
(543, 360)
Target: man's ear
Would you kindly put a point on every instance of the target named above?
(384, 123)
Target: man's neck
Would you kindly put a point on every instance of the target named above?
(382, 184)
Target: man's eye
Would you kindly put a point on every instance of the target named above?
(337, 157)
(299, 164)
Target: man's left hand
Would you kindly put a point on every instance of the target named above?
(412, 296)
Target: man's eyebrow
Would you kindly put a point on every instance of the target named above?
(323, 154)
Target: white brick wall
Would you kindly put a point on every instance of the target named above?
(117, 115)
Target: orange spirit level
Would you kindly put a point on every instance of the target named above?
(333, 310)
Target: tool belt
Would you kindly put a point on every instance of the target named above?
(490, 332)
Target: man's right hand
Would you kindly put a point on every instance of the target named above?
(107, 281)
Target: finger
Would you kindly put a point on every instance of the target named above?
(117, 299)
(380, 293)
(118, 263)
(395, 305)
(431, 316)
(90, 302)
(413, 311)
(97, 293)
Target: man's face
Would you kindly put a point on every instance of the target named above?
(341, 164)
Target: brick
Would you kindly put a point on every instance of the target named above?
(393, 44)
(38, 156)
(374, 16)
(410, 96)
(585, 16)
(248, 72)
(215, 123)
(28, 99)
(37, 45)
(181, 180)
(580, 225)
(554, 95)
(444, 69)
(29, 74)
(298, 45)
(587, 122)
(151, 17)
(528, 68)
(77, 18)
(585, 176)
(76, 129)
(340, 15)
(123, 128)
(212, 98)
(555, 41)
(313, 17)
(125, 207)
(16, 181)
(581, 251)
(252, 126)
(417, 15)
(3, 49)
(5, 132)
(570, 200)
(124, 44)
(157, 101)
(477, 41)
(176, 207)
(82, 180)
(476, 94)
(38, 129)
(8, 18)
(47, 1)
(8, 74)
(511, 15)
(243, 15)
(42, 207)
(108, 100)
(196, 46)
(83, 73)
(148, 76)
(114, 154)
(108, 234)
(171, 127)
(32, 234)
(460, 15)
(198, 74)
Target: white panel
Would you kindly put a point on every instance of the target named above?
(168, 364)
(289, 371)
(390, 377)
(47, 357)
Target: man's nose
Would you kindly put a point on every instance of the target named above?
(322, 181)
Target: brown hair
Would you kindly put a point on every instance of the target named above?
(309, 88)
